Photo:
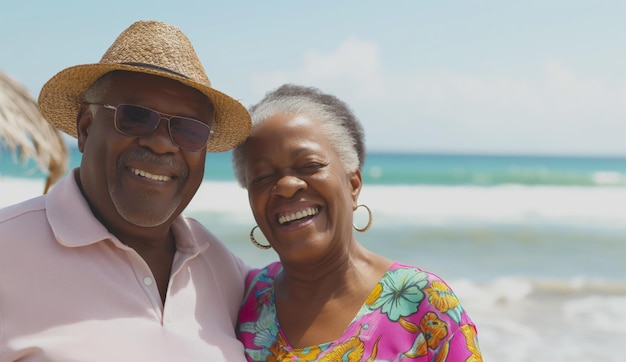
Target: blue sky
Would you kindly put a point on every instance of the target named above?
(496, 77)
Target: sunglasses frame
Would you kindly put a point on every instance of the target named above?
(162, 116)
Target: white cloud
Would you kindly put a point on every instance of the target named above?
(555, 110)
(354, 68)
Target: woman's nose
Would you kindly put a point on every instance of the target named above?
(288, 186)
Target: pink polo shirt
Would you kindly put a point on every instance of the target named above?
(71, 291)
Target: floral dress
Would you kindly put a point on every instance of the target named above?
(411, 314)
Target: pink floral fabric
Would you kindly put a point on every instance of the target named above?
(410, 315)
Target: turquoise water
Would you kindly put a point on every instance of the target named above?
(484, 170)
(427, 169)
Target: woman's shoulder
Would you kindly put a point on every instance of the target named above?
(259, 284)
(436, 294)
(265, 274)
(405, 268)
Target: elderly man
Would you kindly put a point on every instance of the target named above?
(104, 267)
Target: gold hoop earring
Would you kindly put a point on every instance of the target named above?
(256, 243)
(369, 221)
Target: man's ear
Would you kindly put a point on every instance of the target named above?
(356, 182)
(83, 124)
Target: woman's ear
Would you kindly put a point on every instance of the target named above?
(83, 124)
(355, 182)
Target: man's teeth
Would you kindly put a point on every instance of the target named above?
(297, 215)
(149, 175)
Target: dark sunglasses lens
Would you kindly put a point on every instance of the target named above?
(189, 133)
(135, 120)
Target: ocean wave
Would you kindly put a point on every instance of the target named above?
(458, 205)
(608, 178)
(569, 320)
(423, 205)
(516, 289)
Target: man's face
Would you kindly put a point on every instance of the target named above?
(134, 182)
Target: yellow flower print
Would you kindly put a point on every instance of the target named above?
(306, 354)
(351, 350)
(419, 347)
(471, 340)
(279, 353)
(375, 294)
(442, 298)
(374, 351)
(408, 326)
(435, 330)
(442, 356)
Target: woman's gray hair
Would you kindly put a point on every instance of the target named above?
(337, 121)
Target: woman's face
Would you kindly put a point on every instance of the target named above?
(300, 194)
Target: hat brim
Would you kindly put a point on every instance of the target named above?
(60, 99)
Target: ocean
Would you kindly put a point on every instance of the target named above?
(534, 246)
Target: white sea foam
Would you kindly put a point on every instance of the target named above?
(521, 320)
(608, 178)
(434, 205)
(15, 190)
(513, 203)
(423, 205)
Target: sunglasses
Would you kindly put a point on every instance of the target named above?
(137, 121)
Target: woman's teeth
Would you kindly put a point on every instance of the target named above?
(297, 215)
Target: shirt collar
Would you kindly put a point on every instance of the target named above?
(83, 228)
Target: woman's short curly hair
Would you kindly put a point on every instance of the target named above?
(340, 125)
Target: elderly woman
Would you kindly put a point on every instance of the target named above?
(329, 298)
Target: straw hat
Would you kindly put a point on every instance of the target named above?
(149, 47)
